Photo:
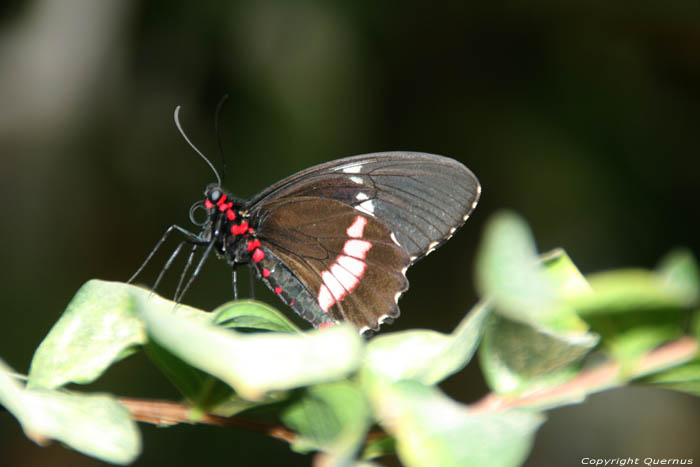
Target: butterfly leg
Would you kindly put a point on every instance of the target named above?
(167, 265)
(177, 297)
(234, 280)
(204, 257)
(251, 276)
(191, 237)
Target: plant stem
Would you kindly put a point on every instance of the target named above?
(172, 413)
(605, 376)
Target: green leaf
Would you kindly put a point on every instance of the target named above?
(97, 329)
(253, 364)
(522, 286)
(200, 389)
(332, 417)
(631, 290)
(680, 271)
(379, 446)
(96, 425)
(235, 404)
(684, 378)
(252, 314)
(634, 310)
(534, 338)
(563, 274)
(515, 356)
(432, 429)
(508, 272)
(427, 356)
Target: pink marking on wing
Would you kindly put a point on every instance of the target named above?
(325, 325)
(357, 228)
(333, 285)
(343, 276)
(325, 299)
(347, 280)
(354, 265)
(356, 248)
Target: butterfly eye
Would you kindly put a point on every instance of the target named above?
(214, 195)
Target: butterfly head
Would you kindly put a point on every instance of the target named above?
(213, 195)
(224, 212)
(215, 203)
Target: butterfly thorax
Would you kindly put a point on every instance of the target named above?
(230, 226)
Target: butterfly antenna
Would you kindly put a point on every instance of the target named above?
(179, 127)
(223, 99)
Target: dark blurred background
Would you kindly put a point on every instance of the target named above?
(583, 117)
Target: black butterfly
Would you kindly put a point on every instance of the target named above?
(334, 241)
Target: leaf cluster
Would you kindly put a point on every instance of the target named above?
(353, 400)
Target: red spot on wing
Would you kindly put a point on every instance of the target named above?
(208, 204)
(253, 244)
(258, 255)
(325, 325)
(230, 215)
(278, 290)
(266, 272)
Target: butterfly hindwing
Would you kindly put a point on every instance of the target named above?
(291, 289)
(345, 258)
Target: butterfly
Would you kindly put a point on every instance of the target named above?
(334, 241)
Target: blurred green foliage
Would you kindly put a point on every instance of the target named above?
(329, 387)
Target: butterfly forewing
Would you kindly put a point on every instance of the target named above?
(421, 198)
